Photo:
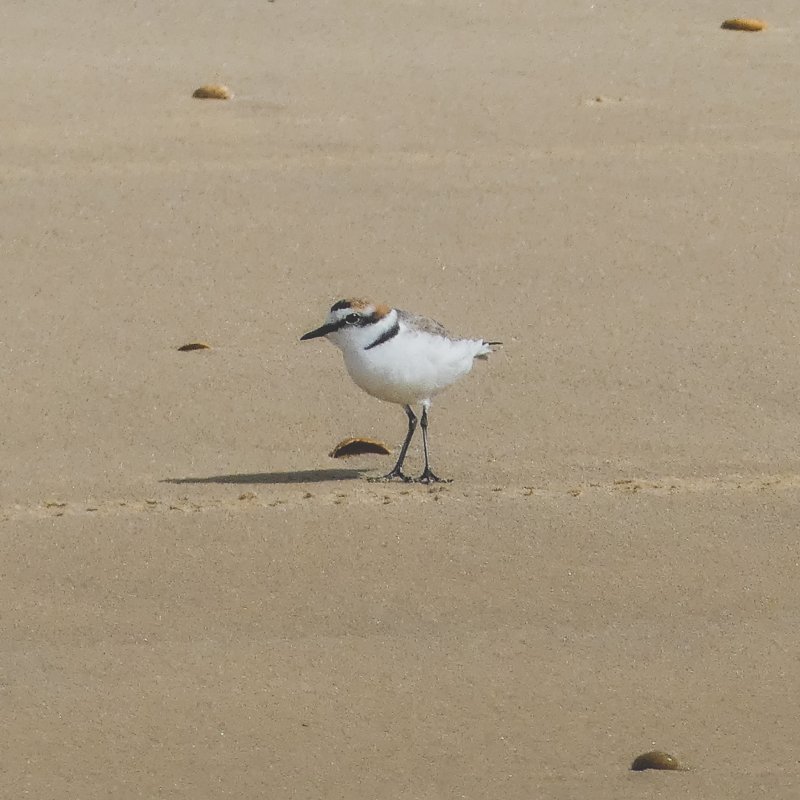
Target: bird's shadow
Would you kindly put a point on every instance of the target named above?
(297, 476)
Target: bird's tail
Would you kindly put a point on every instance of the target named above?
(487, 349)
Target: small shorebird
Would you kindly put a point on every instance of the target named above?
(400, 358)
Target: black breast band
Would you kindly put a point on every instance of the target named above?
(385, 336)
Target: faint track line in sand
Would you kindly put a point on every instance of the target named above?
(348, 155)
(368, 494)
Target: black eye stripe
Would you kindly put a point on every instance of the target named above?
(361, 321)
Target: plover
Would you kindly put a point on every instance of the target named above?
(400, 358)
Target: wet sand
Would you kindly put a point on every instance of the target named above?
(199, 602)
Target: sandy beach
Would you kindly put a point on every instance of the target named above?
(198, 602)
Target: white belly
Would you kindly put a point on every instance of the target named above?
(411, 368)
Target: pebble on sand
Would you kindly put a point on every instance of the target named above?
(185, 348)
(213, 91)
(742, 24)
(656, 759)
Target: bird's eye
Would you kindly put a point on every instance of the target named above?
(351, 319)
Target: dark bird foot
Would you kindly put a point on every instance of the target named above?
(429, 477)
(390, 476)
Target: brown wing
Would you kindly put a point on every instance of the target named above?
(423, 323)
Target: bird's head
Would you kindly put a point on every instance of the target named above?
(352, 323)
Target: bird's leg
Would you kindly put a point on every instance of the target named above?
(397, 470)
(428, 475)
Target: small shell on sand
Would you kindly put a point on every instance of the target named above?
(656, 759)
(213, 91)
(358, 445)
(741, 24)
(185, 348)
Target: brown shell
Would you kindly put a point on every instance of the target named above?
(359, 445)
(656, 759)
(741, 24)
(213, 91)
(185, 348)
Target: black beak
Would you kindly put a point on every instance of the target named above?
(323, 331)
